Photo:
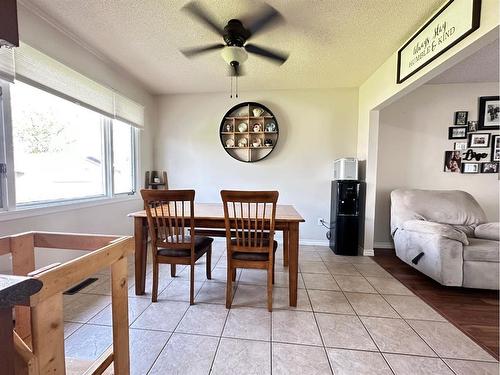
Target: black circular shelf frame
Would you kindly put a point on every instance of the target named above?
(232, 118)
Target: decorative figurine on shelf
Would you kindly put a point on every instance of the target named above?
(257, 112)
(229, 128)
(268, 142)
(257, 142)
(271, 127)
(257, 128)
(242, 142)
(230, 142)
(242, 127)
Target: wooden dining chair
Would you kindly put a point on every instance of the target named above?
(249, 217)
(170, 216)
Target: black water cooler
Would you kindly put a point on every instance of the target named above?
(346, 216)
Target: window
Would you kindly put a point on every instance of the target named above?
(58, 147)
(62, 151)
(123, 157)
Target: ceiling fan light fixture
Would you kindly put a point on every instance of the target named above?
(232, 54)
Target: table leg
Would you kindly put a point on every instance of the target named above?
(7, 340)
(286, 247)
(141, 245)
(293, 265)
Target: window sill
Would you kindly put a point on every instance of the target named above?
(24, 212)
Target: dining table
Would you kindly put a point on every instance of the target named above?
(209, 217)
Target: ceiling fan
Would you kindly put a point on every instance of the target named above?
(236, 35)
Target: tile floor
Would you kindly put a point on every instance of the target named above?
(352, 318)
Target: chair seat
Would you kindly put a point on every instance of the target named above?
(243, 255)
(201, 245)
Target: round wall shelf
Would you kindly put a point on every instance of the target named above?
(249, 132)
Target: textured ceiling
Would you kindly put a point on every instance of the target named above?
(332, 43)
(480, 67)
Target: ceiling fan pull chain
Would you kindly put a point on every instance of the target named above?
(236, 86)
(231, 93)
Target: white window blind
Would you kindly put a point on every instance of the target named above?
(128, 111)
(37, 68)
(7, 64)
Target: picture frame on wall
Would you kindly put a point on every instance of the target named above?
(472, 126)
(489, 167)
(495, 148)
(452, 161)
(457, 132)
(470, 168)
(489, 113)
(461, 118)
(460, 146)
(479, 140)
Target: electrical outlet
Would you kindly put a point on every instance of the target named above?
(320, 221)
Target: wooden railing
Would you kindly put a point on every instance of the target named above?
(39, 326)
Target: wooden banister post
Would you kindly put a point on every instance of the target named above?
(48, 335)
(119, 307)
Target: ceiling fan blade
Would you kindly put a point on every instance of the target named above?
(201, 14)
(266, 18)
(275, 56)
(191, 52)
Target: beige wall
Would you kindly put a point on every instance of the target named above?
(413, 135)
(316, 127)
(381, 89)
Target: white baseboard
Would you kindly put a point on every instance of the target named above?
(368, 252)
(314, 242)
(383, 245)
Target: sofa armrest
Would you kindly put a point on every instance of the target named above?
(488, 231)
(429, 227)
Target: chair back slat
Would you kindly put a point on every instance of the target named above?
(170, 214)
(250, 220)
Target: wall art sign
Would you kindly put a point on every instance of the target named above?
(471, 155)
(452, 23)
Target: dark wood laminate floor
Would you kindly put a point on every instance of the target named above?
(473, 311)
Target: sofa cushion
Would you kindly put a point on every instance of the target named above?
(482, 250)
(488, 231)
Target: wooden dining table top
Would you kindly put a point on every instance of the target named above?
(215, 211)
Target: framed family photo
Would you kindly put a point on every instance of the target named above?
(470, 168)
(452, 161)
(495, 148)
(489, 167)
(472, 126)
(479, 140)
(489, 116)
(457, 132)
(461, 118)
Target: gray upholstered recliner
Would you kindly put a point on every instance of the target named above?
(444, 234)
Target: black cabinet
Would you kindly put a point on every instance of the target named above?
(346, 216)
